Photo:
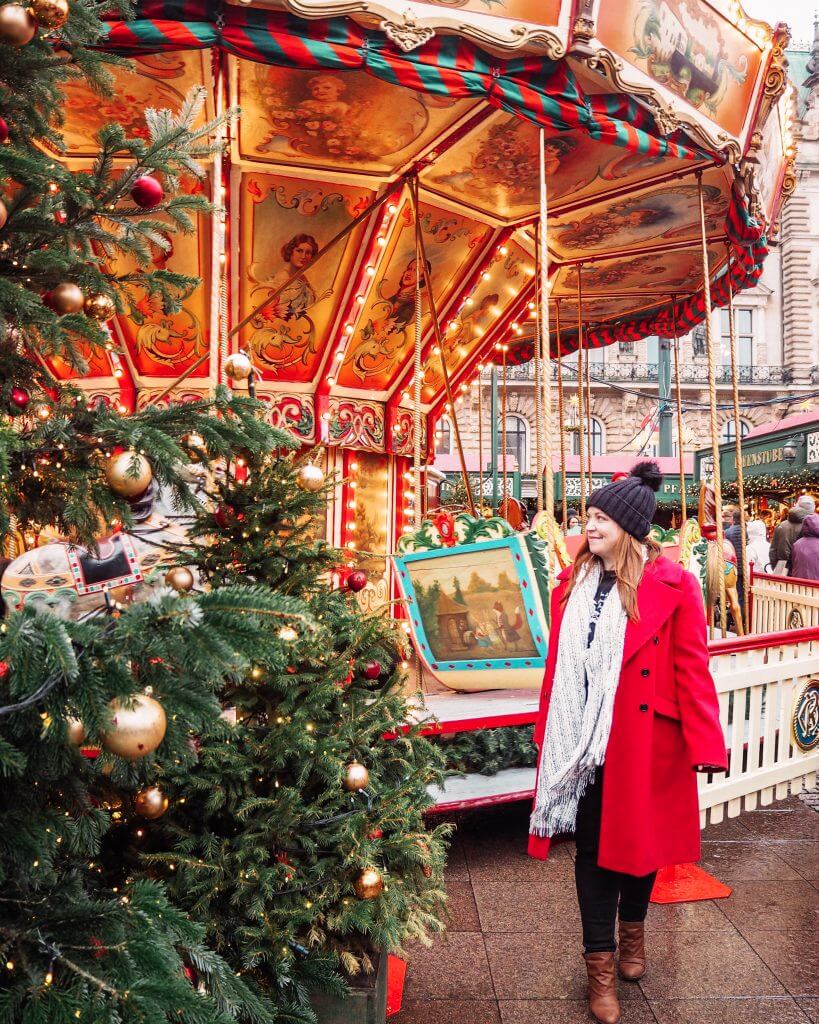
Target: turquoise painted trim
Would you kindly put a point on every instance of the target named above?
(532, 606)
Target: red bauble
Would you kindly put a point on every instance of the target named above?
(5, 668)
(357, 580)
(60, 216)
(4, 130)
(222, 515)
(20, 397)
(147, 192)
(372, 670)
(375, 834)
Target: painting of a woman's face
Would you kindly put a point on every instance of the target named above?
(408, 277)
(301, 255)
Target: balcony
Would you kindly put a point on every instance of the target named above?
(647, 373)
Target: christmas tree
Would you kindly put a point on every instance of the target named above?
(301, 843)
(133, 680)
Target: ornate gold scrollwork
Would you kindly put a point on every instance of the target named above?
(407, 35)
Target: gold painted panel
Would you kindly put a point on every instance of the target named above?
(689, 48)
(539, 12)
(160, 80)
(322, 119)
(284, 223)
(385, 332)
(495, 169)
(668, 213)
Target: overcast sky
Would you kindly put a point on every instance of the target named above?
(798, 14)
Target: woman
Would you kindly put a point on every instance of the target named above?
(628, 715)
(758, 547)
(572, 525)
(805, 551)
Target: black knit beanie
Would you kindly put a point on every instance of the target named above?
(631, 502)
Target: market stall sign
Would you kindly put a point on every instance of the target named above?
(765, 456)
(668, 493)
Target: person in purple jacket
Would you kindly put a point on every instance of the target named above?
(805, 551)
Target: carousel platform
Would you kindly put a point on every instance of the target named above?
(513, 956)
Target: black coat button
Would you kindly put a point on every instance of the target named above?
(656, 639)
(645, 672)
(644, 707)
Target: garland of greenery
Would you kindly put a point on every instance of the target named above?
(488, 751)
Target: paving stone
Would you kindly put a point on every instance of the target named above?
(741, 1010)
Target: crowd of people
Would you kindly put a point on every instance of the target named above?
(785, 543)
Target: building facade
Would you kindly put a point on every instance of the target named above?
(777, 327)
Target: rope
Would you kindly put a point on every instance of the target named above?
(480, 440)
(536, 364)
(743, 531)
(546, 453)
(416, 383)
(712, 411)
(580, 411)
(589, 435)
(565, 499)
(504, 497)
(680, 446)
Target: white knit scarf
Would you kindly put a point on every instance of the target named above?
(577, 732)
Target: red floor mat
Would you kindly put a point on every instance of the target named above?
(685, 883)
(396, 972)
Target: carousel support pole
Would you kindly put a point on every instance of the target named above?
(480, 439)
(503, 413)
(589, 434)
(743, 530)
(564, 498)
(439, 341)
(712, 409)
(680, 445)
(545, 469)
(416, 388)
(493, 419)
(581, 416)
(536, 364)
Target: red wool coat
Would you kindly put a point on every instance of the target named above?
(666, 721)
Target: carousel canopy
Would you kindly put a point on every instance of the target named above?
(345, 120)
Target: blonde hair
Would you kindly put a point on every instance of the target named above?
(629, 561)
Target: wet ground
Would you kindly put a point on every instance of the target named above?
(513, 954)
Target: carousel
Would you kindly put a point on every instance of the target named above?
(408, 192)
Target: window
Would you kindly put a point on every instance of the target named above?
(729, 434)
(744, 330)
(443, 437)
(596, 439)
(517, 431)
(653, 350)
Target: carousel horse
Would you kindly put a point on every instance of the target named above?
(548, 530)
(73, 582)
(726, 563)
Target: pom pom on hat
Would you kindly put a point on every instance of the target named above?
(630, 501)
(649, 473)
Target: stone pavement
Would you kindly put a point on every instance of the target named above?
(512, 954)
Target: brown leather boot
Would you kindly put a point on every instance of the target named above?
(603, 1002)
(632, 963)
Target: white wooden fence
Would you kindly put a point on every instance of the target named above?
(757, 680)
(780, 603)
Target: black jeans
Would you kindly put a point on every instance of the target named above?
(601, 892)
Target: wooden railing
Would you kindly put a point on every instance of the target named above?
(781, 603)
(758, 679)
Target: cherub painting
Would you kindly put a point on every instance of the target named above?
(324, 117)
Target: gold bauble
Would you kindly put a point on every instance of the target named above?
(195, 447)
(66, 297)
(369, 884)
(50, 13)
(76, 731)
(180, 578)
(310, 477)
(119, 476)
(238, 366)
(137, 729)
(17, 25)
(150, 803)
(4, 214)
(101, 307)
(356, 777)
